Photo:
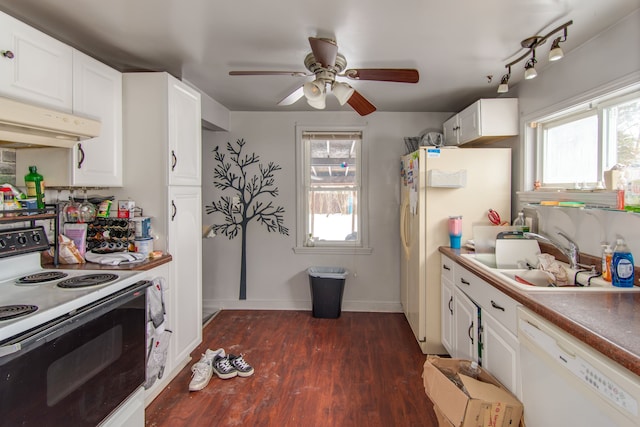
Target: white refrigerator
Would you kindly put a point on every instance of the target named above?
(437, 183)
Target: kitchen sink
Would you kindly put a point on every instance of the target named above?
(537, 281)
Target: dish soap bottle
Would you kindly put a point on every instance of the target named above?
(622, 267)
(607, 255)
(35, 186)
(519, 223)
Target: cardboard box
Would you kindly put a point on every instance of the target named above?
(487, 404)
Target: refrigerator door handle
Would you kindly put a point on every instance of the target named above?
(404, 223)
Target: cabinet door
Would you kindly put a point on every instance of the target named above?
(41, 67)
(469, 123)
(185, 134)
(500, 354)
(466, 327)
(450, 130)
(447, 315)
(184, 243)
(97, 93)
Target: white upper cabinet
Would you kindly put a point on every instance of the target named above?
(485, 119)
(97, 93)
(34, 66)
(95, 162)
(185, 134)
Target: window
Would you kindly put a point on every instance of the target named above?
(575, 147)
(331, 188)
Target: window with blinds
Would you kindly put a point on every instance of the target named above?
(332, 188)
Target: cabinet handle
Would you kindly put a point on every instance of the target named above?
(451, 305)
(465, 282)
(496, 306)
(7, 54)
(81, 153)
(469, 332)
(446, 267)
(174, 209)
(456, 128)
(174, 160)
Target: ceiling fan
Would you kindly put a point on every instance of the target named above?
(325, 63)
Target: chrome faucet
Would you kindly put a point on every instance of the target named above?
(570, 252)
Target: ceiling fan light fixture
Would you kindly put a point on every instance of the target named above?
(318, 103)
(342, 92)
(314, 90)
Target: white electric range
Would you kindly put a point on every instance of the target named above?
(72, 347)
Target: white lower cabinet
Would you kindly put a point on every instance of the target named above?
(184, 237)
(500, 353)
(480, 323)
(465, 314)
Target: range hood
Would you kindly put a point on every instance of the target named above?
(28, 126)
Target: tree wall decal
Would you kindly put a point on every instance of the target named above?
(249, 186)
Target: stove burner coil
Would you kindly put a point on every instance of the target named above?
(11, 311)
(87, 280)
(42, 277)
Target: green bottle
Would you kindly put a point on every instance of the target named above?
(35, 186)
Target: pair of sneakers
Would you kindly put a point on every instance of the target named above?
(224, 366)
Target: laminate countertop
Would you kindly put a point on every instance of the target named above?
(147, 264)
(609, 322)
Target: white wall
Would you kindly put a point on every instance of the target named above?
(276, 276)
(608, 60)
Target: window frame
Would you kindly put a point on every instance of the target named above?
(598, 100)
(302, 214)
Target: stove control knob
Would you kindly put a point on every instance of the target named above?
(2, 243)
(22, 239)
(36, 237)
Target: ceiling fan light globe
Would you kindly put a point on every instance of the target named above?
(555, 54)
(319, 103)
(313, 90)
(342, 92)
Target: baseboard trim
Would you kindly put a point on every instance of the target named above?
(213, 305)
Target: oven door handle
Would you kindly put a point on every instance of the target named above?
(57, 327)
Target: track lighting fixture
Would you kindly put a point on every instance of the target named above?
(530, 67)
(504, 83)
(531, 44)
(556, 52)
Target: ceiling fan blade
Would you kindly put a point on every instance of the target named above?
(360, 104)
(270, 73)
(292, 97)
(400, 75)
(324, 50)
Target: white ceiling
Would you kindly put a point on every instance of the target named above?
(454, 44)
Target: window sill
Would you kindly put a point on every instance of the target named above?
(332, 250)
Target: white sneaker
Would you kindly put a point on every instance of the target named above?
(203, 370)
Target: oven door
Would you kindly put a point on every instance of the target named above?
(77, 369)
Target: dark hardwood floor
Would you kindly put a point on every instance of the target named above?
(362, 369)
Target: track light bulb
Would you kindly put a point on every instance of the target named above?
(529, 68)
(504, 83)
(556, 52)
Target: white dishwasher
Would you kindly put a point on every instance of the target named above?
(567, 383)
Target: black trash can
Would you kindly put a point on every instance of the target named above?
(327, 287)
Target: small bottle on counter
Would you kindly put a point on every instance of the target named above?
(520, 224)
(607, 256)
(35, 186)
(622, 267)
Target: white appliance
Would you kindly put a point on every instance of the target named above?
(437, 183)
(567, 383)
(77, 337)
(25, 125)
